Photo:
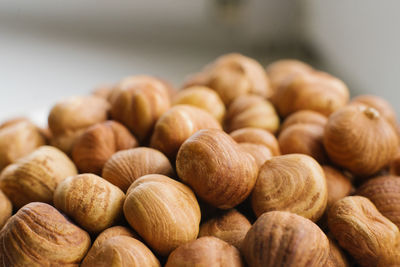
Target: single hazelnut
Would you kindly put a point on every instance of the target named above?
(177, 125)
(18, 139)
(91, 201)
(36, 176)
(251, 111)
(70, 117)
(384, 192)
(304, 117)
(140, 101)
(124, 167)
(385, 109)
(39, 235)
(202, 97)
(98, 143)
(360, 140)
(317, 91)
(230, 226)
(205, 251)
(257, 136)
(162, 211)
(336, 256)
(5, 209)
(303, 139)
(362, 230)
(219, 172)
(260, 153)
(280, 238)
(294, 183)
(339, 186)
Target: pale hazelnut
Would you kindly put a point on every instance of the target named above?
(91, 201)
(5, 209)
(257, 136)
(98, 143)
(36, 176)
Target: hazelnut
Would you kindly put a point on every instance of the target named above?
(336, 256)
(202, 97)
(38, 235)
(124, 167)
(103, 91)
(251, 111)
(91, 201)
(384, 192)
(140, 101)
(213, 164)
(360, 140)
(317, 91)
(395, 164)
(177, 125)
(281, 238)
(162, 211)
(205, 251)
(230, 226)
(18, 139)
(304, 117)
(36, 176)
(98, 143)
(70, 117)
(303, 139)
(362, 230)
(339, 186)
(260, 153)
(294, 183)
(5, 209)
(257, 136)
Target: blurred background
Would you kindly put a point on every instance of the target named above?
(52, 49)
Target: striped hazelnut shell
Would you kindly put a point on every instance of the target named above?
(339, 186)
(304, 117)
(257, 136)
(5, 209)
(260, 153)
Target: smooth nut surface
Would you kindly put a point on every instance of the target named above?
(360, 140)
(338, 185)
(281, 238)
(294, 183)
(205, 251)
(98, 143)
(177, 125)
(230, 226)
(219, 172)
(121, 251)
(257, 136)
(260, 153)
(36, 176)
(39, 235)
(91, 201)
(304, 117)
(362, 230)
(5, 209)
(124, 167)
(162, 211)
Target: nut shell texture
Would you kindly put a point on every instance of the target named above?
(36, 176)
(205, 251)
(5, 209)
(38, 235)
(219, 172)
(294, 183)
(280, 238)
(91, 201)
(304, 117)
(338, 185)
(257, 136)
(360, 140)
(162, 211)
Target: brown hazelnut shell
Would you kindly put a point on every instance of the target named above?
(257, 136)
(5, 209)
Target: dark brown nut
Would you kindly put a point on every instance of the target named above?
(205, 251)
(362, 230)
(91, 201)
(98, 143)
(304, 139)
(395, 165)
(18, 138)
(36, 176)
(230, 226)
(177, 125)
(162, 211)
(339, 186)
(140, 101)
(5, 209)
(360, 140)
(38, 235)
(124, 167)
(281, 238)
(251, 111)
(304, 117)
(260, 153)
(213, 164)
(257, 136)
(294, 183)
